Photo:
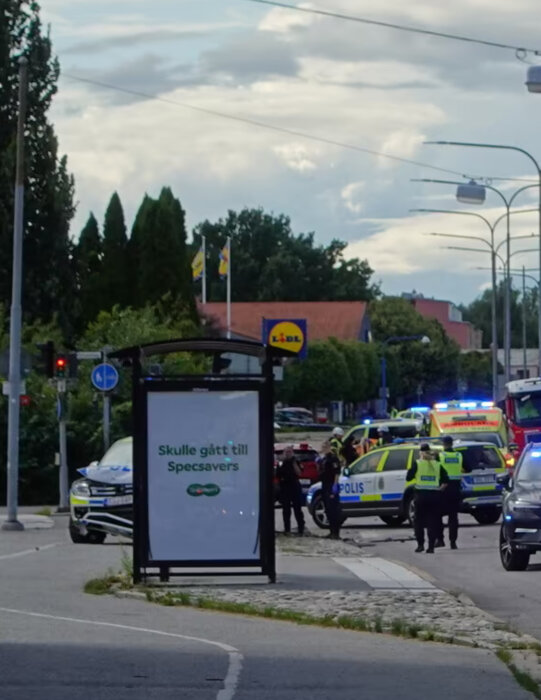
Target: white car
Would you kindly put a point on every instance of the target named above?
(101, 502)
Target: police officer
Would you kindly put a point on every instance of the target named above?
(336, 442)
(288, 472)
(329, 469)
(430, 478)
(450, 502)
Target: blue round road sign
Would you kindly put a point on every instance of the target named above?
(104, 377)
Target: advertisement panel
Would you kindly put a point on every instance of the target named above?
(286, 334)
(203, 475)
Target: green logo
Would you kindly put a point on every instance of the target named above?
(203, 490)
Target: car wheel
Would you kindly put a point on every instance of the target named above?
(392, 520)
(512, 559)
(409, 509)
(487, 516)
(91, 537)
(318, 512)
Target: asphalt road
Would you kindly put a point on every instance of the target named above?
(473, 569)
(57, 642)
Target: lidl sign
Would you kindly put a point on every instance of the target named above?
(286, 334)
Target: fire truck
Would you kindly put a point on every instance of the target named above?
(522, 405)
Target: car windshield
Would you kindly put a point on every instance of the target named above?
(530, 467)
(118, 455)
(480, 436)
(395, 431)
(528, 409)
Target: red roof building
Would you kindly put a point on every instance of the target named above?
(467, 336)
(345, 320)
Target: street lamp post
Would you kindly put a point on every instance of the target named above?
(523, 274)
(475, 193)
(383, 364)
(534, 85)
(492, 228)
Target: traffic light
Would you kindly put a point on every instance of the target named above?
(46, 360)
(61, 365)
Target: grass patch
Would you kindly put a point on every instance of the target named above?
(100, 586)
(47, 512)
(522, 677)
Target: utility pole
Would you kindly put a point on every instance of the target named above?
(524, 358)
(106, 410)
(63, 502)
(12, 523)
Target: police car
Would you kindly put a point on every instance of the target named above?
(375, 484)
(101, 502)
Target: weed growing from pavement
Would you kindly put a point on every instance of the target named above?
(522, 677)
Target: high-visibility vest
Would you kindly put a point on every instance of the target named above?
(427, 477)
(336, 446)
(452, 462)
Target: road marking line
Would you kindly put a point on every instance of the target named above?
(383, 574)
(235, 657)
(24, 552)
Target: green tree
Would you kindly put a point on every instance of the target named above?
(271, 263)
(475, 370)
(322, 377)
(88, 269)
(115, 276)
(414, 369)
(159, 253)
(48, 285)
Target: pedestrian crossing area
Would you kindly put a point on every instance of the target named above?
(382, 574)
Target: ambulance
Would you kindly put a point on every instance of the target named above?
(481, 421)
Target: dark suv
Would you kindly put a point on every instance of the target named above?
(520, 534)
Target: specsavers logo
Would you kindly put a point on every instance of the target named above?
(286, 335)
(203, 490)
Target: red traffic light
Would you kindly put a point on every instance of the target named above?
(61, 364)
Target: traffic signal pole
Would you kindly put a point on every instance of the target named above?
(63, 501)
(12, 522)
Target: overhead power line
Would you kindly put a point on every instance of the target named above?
(521, 51)
(264, 125)
(283, 130)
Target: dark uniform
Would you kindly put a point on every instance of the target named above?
(290, 493)
(329, 470)
(450, 498)
(429, 475)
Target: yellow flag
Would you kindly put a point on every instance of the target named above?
(223, 269)
(198, 265)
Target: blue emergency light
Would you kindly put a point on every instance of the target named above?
(441, 406)
(420, 409)
(367, 421)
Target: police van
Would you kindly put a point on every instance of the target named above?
(375, 484)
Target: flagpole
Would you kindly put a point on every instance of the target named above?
(229, 287)
(204, 279)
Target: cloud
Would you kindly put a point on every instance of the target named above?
(251, 57)
(296, 156)
(133, 39)
(402, 143)
(351, 196)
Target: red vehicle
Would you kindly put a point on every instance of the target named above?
(306, 456)
(523, 410)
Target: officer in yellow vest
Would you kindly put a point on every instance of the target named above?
(430, 479)
(337, 445)
(450, 502)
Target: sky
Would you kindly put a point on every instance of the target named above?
(361, 86)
